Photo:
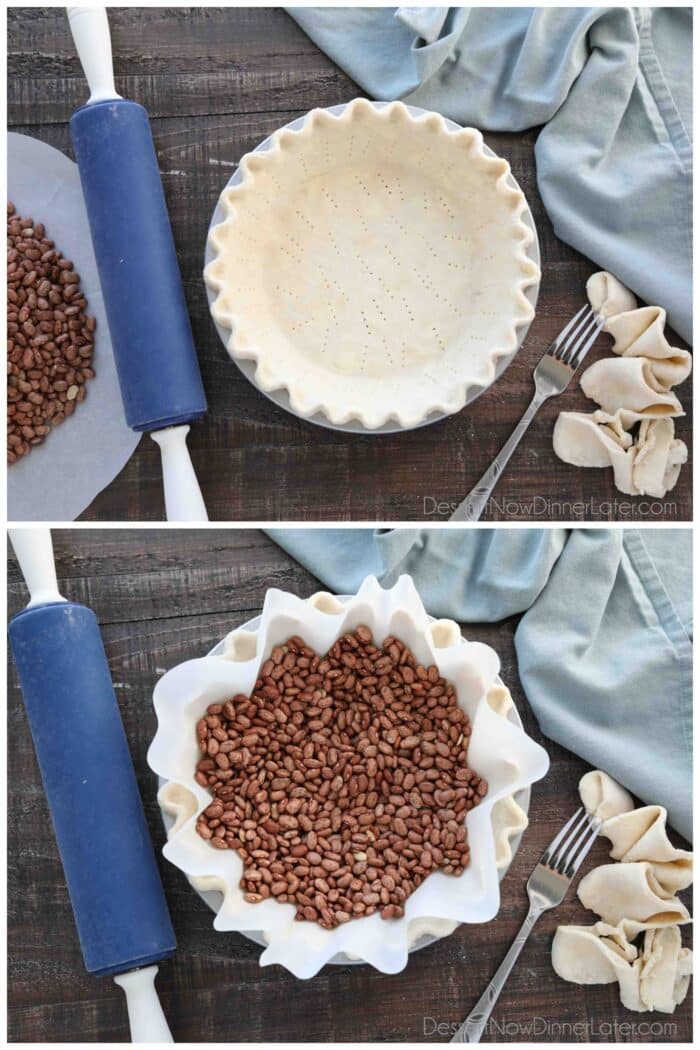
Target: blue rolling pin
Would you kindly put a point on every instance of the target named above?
(154, 351)
(108, 859)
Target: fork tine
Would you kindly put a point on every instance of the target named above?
(578, 336)
(569, 850)
(554, 348)
(575, 863)
(555, 841)
(581, 353)
(570, 842)
(585, 341)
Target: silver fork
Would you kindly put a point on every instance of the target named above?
(546, 888)
(552, 375)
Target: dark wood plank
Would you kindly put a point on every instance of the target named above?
(163, 596)
(216, 81)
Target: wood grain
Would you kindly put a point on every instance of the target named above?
(216, 81)
(163, 596)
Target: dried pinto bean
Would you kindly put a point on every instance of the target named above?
(49, 336)
(342, 781)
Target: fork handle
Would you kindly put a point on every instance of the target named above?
(472, 507)
(471, 1030)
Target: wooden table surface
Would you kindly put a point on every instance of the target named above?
(216, 82)
(169, 598)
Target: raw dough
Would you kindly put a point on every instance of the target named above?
(602, 796)
(637, 332)
(629, 383)
(666, 969)
(641, 835)
(656, 979)
(631, 892)
(632, 388)
(607, 296)
(632, 897)
(641, 334)
(508, 819)
(648, 467)
(373, 264)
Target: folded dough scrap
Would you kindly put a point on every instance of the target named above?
(641, 835)
(632, 892)
(636, 834)
(602, 796)
(648, 467)
(629, 384)
(634, 387)
(632, 897)
(638, 332)
(656, 979)
(608, 296)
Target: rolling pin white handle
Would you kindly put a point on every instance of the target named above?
(90, 30)
(183, 496)
(35, 556)
(146, 1018)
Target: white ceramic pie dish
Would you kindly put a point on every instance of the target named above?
(444, 335)
(512, 833)
(499, 750)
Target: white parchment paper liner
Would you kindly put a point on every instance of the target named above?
(61, 477)
(499, 751)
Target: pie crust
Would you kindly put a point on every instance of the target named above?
(373, 264)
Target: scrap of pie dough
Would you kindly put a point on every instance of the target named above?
(608, 296)
(630, 891)
(637, 332)
(656, 978)
(629, 383)
(581, 954)
(640, 333)
(633, 387)
(666, 969)
(632, 897)
(647, 467)
(659, 458)
(640, 835)
(602, 796)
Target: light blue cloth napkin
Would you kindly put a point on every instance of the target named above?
(604, 645)
(613, 87)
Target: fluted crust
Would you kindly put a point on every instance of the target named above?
(373, 264)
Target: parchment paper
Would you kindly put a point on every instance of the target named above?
(60, 478)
